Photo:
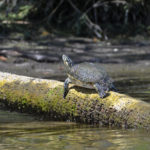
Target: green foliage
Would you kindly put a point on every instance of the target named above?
(20, 14)
(92, 17)
(15, 10)
(111, 16)
(24, 10)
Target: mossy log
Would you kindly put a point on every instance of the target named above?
(81, 105)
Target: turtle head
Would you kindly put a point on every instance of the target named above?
(67, 61)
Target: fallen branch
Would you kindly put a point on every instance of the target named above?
(81, 105)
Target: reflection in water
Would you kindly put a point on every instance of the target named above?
(25, 133)
(72, 137)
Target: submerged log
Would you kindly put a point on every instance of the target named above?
(81, 105)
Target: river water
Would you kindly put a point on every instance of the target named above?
(24, 132)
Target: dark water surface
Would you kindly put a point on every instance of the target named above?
(24, 132)
(137, 86)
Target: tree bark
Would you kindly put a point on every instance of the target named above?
(80, 105)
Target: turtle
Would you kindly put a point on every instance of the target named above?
(87, 75)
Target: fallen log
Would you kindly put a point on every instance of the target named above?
(81, 105)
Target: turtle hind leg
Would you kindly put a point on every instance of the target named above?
(100, 90)
(66, 84)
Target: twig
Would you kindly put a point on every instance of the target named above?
(95, 14)
(96, 29)
(54, 10)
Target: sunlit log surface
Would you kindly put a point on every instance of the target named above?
(81, 105)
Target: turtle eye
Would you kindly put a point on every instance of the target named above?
(69, 61)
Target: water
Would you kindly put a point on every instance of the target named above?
(24, 132)
(135, 86)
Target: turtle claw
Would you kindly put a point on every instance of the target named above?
(66, 90)
(65, 94)
(102, 94)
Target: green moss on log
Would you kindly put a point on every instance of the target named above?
(81, 105)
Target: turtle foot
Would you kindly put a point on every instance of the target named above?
(102, 94)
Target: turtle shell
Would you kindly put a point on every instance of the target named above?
(88, 73)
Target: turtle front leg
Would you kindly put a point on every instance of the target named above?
(100, 90)
(66, 84)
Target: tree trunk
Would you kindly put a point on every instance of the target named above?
(81, 105)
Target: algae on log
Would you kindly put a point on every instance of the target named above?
(81, 105)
